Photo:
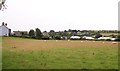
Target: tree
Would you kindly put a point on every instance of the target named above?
(38, 33)
(113, 36)
(118, 38)
(52, 31)
(58, 37)
(98, 35)
(52, 34)
(31, 33)
(2, 5)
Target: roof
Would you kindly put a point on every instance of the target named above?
(104, 38)
(4, 26)
(75, 37)
(19, 31)
(113, 38)
(88, 37)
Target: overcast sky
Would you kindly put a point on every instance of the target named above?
(61, 15)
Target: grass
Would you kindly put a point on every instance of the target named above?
(21, 53)
(108, 34)
(0, 53)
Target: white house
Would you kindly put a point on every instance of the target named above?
(113, 39)
(104, 38)
(4, 30)
(88, 38)
(74, 37)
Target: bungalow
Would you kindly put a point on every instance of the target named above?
(113, 39)
(75, 37)
(104, 38)
(4, 30)
(88, 38)
(19, 33)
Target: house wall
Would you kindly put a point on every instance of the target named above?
(17, 33)
(4, 31)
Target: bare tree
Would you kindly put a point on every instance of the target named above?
(2, 5)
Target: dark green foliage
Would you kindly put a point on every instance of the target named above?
(58, 37)
(118, 38)
(38, 34)
(45, 38)
(66, 34)
(98, 35)
(113, 36)
(52, 31)
(52, 34)
(31, 33)
(108, 40)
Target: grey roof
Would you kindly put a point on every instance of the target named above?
(5, 26)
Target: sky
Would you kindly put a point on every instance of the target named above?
(60, 15)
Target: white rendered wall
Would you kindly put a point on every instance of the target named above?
(4, 31)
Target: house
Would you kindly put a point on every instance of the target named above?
(75, 37)
(65, 37)
(45, 33)
(4, 30)
(104, 38)
(113, 39)
(20, 33)
(88, 38)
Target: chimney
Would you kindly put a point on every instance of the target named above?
(2, 23)
(5, 24)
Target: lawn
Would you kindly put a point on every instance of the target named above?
(21, 53)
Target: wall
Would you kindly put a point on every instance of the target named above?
(4, 31)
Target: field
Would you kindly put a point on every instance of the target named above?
(108, 34)
(21, 53)
(0, 53)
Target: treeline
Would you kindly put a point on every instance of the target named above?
(66, 34)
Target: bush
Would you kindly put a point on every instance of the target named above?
(57, 37)
(45, 38)
(108, 39)
(117, 39)
(98, 35)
